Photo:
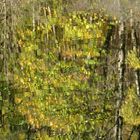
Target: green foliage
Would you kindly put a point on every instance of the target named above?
(130, 108)
(133, 59)
(56, 92)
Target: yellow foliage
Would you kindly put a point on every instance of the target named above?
(133, 59)
(130, 108)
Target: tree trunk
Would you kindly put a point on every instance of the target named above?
(135, 47)
(121, 70)
(1, 117)
(33, 18)
(137, 71)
